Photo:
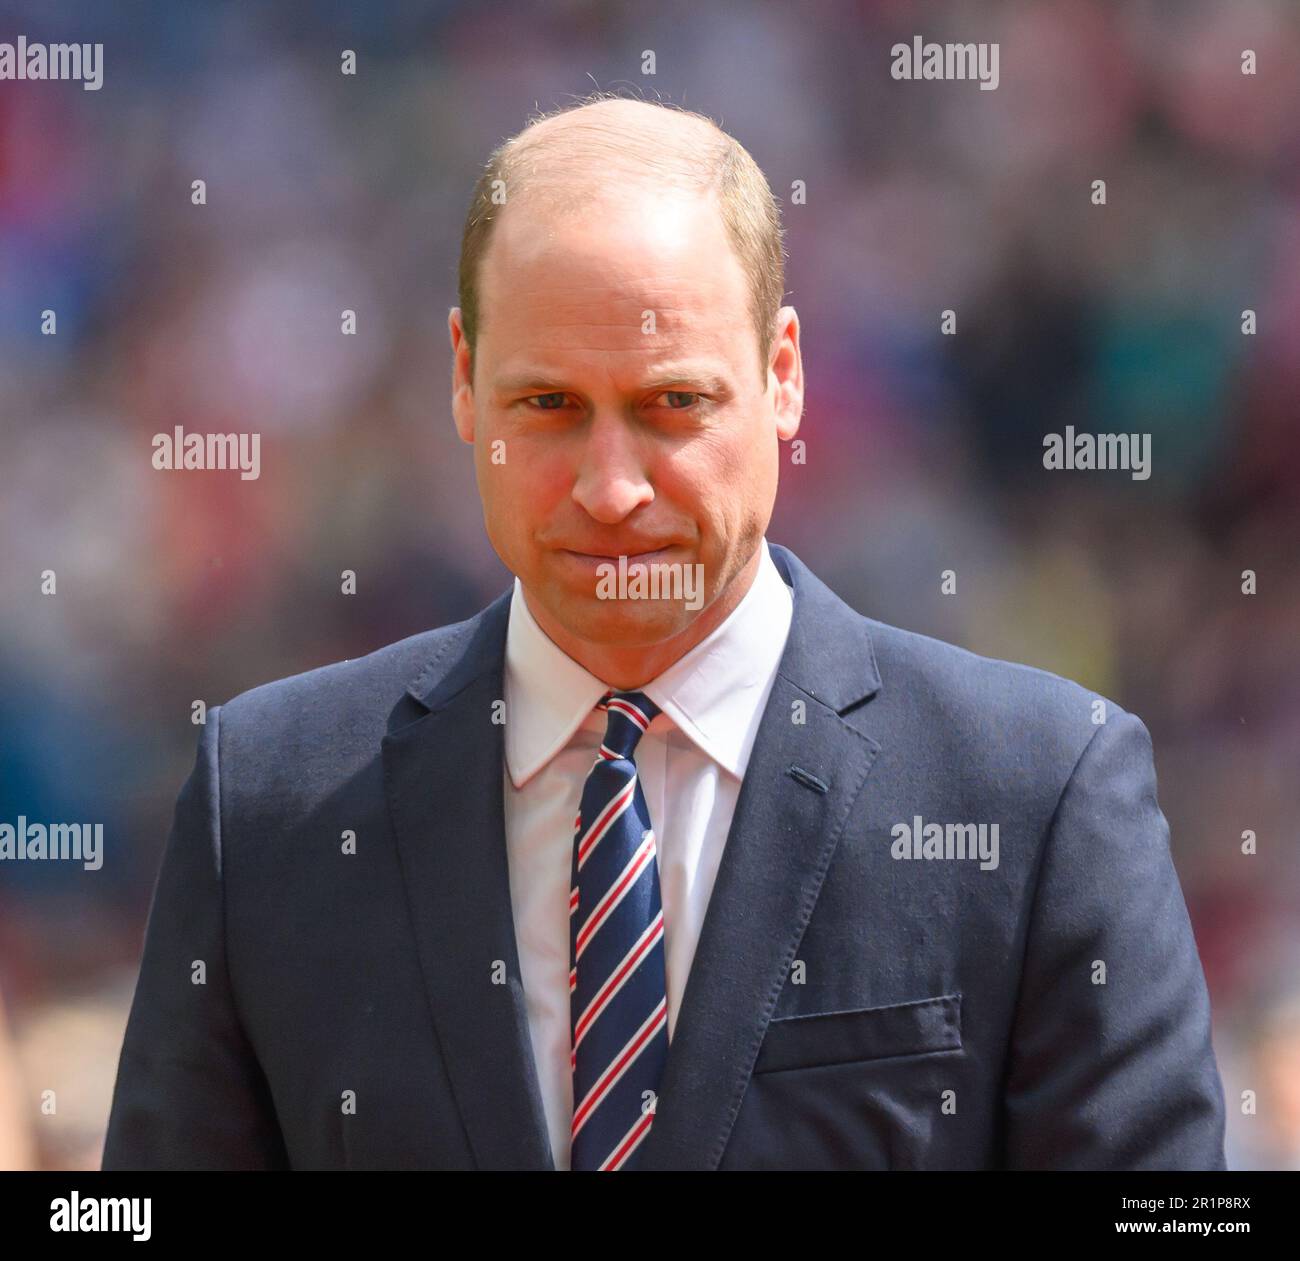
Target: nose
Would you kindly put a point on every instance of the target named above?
(611, 479)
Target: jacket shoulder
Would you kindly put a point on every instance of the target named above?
(379, 677)
(947, 688)
(285, 745)
(954, 665)
(344, 708)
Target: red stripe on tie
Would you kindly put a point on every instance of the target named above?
(629, 965)
(605, 819)
(628, 710)
(616, 1158)
(614, 1071)
(631, 874)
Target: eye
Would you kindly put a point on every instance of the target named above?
(553, 401)
(673, 395)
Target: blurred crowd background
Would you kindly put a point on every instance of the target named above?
(924, 452)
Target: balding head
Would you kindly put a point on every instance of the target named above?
(609, 151)
(615, 147)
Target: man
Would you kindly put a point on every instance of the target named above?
(628, 876)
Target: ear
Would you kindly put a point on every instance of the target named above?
(786, 371)
(462, 377)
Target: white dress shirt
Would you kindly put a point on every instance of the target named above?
(690, 762)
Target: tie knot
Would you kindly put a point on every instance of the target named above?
(628, 715)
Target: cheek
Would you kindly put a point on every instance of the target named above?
(521, 482)
(732, 473)
(761, 455)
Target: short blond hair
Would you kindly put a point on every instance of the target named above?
(706, 160)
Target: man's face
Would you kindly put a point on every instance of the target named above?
(617, 409)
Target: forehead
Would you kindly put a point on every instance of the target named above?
(560, 280)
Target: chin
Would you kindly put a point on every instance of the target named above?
(624, 622)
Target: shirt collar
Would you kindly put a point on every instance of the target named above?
(714, 694)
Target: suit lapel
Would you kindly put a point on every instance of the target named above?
(443, 778)
(799, 789)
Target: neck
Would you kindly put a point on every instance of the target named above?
(627, 669)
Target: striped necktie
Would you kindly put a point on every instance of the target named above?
(618, 1005)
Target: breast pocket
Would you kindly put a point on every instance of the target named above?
(867, 1033)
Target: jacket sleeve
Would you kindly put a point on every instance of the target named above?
(189, 1091)
(1113, 1068)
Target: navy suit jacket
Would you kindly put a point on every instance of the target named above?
(301, 1005)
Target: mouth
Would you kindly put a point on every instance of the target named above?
(614, 556)
(588, 567)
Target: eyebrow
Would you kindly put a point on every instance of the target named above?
(670, 375)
